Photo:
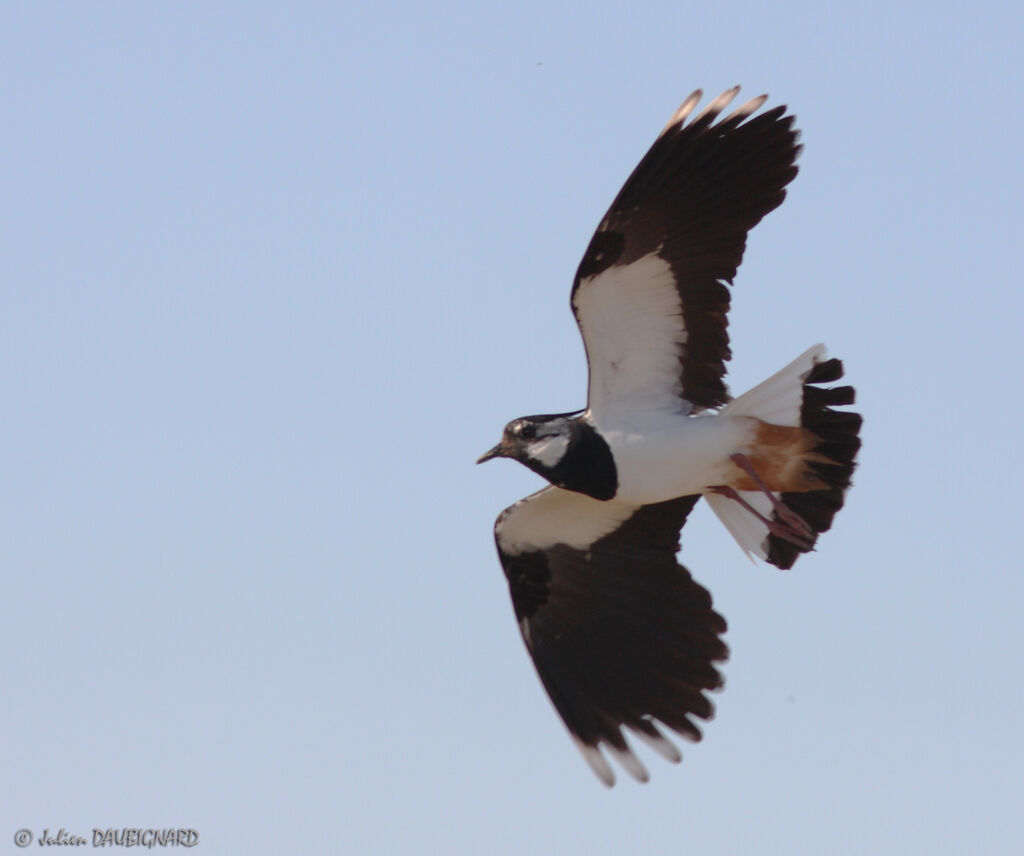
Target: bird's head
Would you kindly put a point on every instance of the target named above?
(539, 442)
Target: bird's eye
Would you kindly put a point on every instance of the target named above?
(527, 431)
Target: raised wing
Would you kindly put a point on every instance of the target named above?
(650, 294)
(619, 632)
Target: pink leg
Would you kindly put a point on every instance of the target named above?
(784, 513)
(780, 528)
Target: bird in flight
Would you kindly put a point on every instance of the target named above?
(621, 635)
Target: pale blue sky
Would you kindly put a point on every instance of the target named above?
(273, 275)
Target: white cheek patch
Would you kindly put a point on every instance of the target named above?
(548, 450)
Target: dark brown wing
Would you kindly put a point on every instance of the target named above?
(689, 203)
(619, 632)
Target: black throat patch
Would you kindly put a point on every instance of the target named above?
(588, 466)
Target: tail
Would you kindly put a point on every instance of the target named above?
(794, 397)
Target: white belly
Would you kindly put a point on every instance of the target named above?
(676, 456)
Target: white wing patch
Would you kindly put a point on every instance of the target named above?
(556, 516)
(631, 318)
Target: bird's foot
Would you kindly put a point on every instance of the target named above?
(800, 534)
(787, 525)
(785, 514)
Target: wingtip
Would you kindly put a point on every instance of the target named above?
(748, 108)
(623, 755)
(657, 741)
(684, 109)
(715, 107)
(630, 763)
(596, 761)
(718, 104)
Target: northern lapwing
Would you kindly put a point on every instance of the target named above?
(620, 633)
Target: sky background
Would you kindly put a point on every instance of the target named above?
(273, 275)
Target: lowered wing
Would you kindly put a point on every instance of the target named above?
(619, 632)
